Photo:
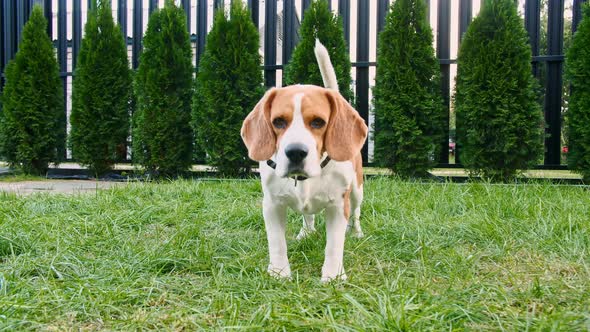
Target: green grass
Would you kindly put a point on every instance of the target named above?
(192, 255)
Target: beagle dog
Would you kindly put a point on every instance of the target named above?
(307, 140)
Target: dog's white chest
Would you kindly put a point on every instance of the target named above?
(308, 197)
(314, 194)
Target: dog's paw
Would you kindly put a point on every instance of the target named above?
(327, 279)
(279, 273)
(354, 231)
(304, 232)
(357, 233)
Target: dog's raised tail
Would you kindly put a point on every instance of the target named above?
(326, 68)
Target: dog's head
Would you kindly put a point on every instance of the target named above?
(295, 125)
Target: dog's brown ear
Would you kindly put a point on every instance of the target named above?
(346, 132)
(257, 131)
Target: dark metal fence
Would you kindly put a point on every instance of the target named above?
(278, 22)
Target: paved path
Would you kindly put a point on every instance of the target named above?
(56, 186)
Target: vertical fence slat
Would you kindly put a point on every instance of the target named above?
(382, 9)
(465, 10)
(444, 53)
(9, 36)
(270, 42)
(201, 29)
(288, 29)
(554, 83)
(62, 53)
(344, 12)
(137, 31)
(122, 18)
(48, 12)
(62, 38)
(20, 20)
(186, 6)
(532, 19)
(153, 5)
(77, 31)
(254, 7)
(2, 37)
(217, 4)
(362, 72)
(304, 5)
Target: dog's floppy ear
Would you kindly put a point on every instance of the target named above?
(346, 132)
(257, 131)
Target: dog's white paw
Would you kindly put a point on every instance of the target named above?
(357, 233)
(279, 273)
(304, 232)
(339, 277)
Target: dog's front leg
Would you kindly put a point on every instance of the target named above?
(275, 218)
(335, 233)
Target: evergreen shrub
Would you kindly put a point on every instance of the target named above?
(162, 134)
(228, 86)
(578, 74)
(408, 105)
(499, 119)
(101, 94)
(32, 125)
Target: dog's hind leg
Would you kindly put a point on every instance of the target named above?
(354, 223)
(308, 226)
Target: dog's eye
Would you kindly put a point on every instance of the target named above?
(279, 123)
(317, 123)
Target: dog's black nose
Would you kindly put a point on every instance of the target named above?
(296, 152)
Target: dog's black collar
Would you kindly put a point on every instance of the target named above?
(273, 165)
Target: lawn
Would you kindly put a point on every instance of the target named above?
(190, 255)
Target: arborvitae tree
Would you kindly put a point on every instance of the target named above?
(33, 123)
(229, 84)
(101, 94)
(499, 120)
(319, 22)
(578, 74)
(162, 135)
(408, 106)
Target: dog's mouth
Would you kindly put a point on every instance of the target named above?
(297, 173)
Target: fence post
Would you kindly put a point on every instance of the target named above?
(201, 29)
(444, 53)
(305, 4)
(254, 7)
(532, 14)
(9, 42)
(137, 31)
(554, 83)
(362, 70)
(2, 20)
(344, 12)
(288, 30)
(153, 5)
(270, 44)
(77, 32)
(62, 54)
(122, 18)
(186, 6)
